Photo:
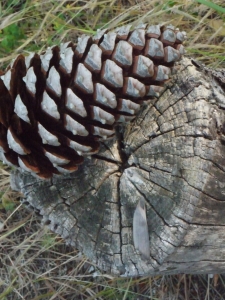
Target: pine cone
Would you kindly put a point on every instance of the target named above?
(55, 108)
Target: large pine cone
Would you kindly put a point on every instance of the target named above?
(56, 107)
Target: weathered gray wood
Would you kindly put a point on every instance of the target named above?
(172, 157)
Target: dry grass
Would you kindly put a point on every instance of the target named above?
(36, 264)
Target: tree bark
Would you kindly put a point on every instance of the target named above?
(172, 157)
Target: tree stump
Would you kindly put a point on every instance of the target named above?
(172, 156)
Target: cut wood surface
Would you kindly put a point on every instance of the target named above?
(172, 158)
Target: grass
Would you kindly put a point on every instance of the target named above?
(35, 263)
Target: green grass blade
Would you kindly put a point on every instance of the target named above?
(212, 5)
